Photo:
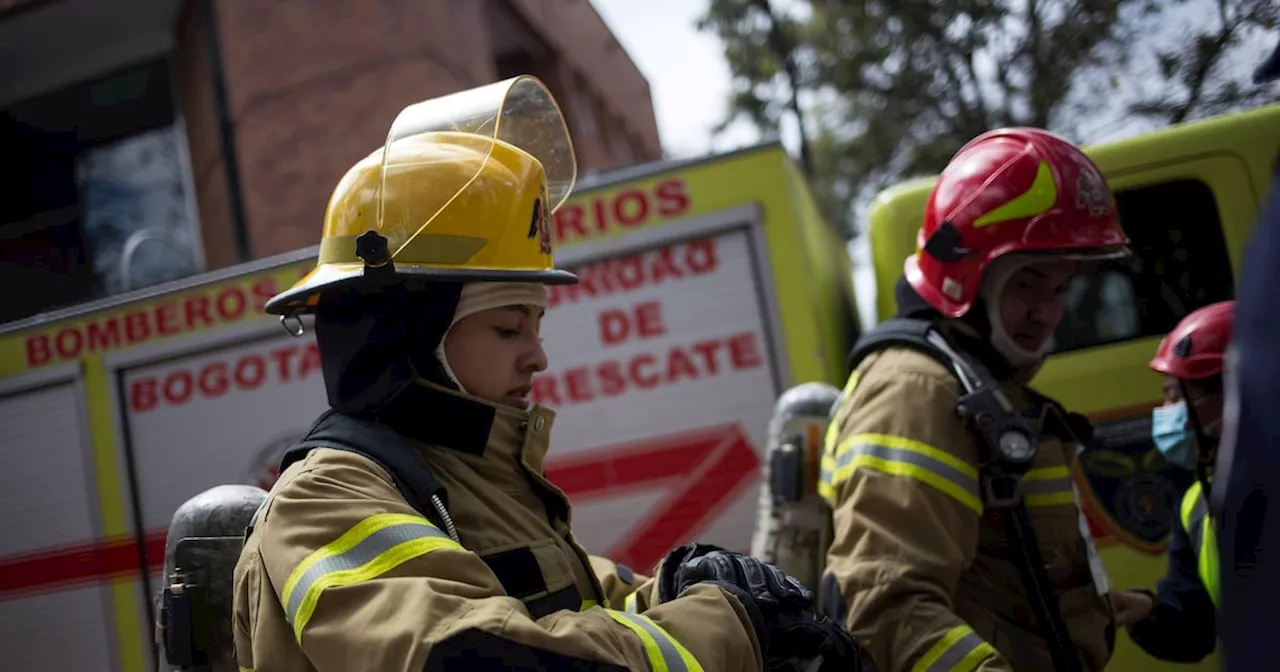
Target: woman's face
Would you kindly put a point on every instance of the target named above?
(495, 353)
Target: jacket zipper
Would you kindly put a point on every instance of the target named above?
(444, 516)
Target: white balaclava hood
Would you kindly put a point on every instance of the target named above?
(480, 296)
(993, 282)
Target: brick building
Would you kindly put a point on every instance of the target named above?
(152, 139)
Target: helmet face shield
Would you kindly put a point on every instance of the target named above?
(466, 128)
(462, 190)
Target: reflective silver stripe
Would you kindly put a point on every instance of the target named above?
(911, 457)
(359, 555)
(670, 657)
(955, 653)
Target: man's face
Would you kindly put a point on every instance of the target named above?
(1031, 302)
(495, 353)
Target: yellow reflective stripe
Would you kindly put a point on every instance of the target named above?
(1047, 473)
(826, 479)
(246, 669)
(421, 249)
(1199, 526)
(371, 548)
(1039, 198)
(1208, 560)
(1189, 502)
(832, 436)
(630, 604)
(960, 650)
(900, 456)
(665, 653)
(980, 653)
(902, 442)
(1048, 486)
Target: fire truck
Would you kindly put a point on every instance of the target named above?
(707, 288)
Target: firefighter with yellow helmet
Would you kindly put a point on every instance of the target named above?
(413, 528)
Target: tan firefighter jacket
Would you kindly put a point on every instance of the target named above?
(341, 573)
(924, 571)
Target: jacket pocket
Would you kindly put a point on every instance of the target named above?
(537, 574)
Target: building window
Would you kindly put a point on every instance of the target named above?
(95, 196)
(135, 218)
(1180, 263)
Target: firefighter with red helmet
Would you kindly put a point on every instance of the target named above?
(1179, 621)
(958, 542)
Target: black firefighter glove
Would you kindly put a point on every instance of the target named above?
(808, 638)
(781, 609)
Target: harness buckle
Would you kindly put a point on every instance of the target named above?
(1001, 490)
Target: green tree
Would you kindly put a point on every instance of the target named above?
(884, 90)
(1196, 75)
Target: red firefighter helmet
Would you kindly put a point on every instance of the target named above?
(1197, 346)
(1010, 190)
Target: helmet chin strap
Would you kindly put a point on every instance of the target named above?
(448, 370)
(1206, 446)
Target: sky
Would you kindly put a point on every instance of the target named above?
(688, 75)
(689, 82)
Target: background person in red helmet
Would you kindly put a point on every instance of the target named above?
(936, 542)
(1179, 621)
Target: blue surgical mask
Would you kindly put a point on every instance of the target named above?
(1171, 436)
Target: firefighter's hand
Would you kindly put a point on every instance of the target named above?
(669, 587)
(801, 640)
(768, 588)
(781, 609)
(1132, 606)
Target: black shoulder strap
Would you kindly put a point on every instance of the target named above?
(924, 337)
(904, 331)
(1008, 445)
(384, 446)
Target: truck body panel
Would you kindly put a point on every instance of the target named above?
(696, 309)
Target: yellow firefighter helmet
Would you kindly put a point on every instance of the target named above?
(462, 190)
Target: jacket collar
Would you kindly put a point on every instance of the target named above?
(438, 416)
(973, 342)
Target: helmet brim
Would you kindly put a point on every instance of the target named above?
(304, 297)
